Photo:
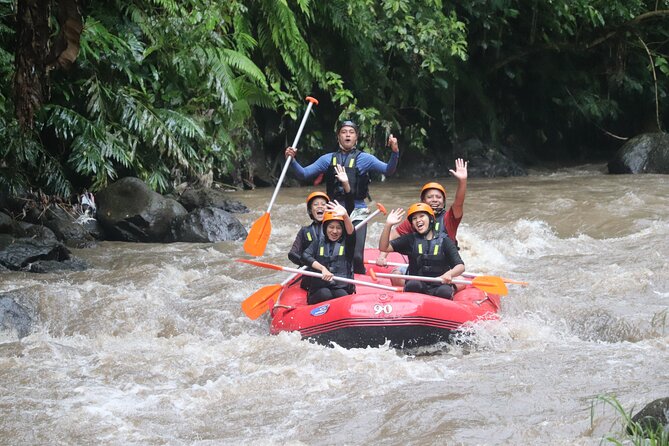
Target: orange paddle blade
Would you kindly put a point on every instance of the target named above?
(258, 236)
(256, 304)
(490, 284)
(260, 264)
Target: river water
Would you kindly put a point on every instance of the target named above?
(149, 346)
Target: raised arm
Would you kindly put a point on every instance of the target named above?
(394, 217)
(349, 199)
(460, 173)
(310, 171)
(338, 209)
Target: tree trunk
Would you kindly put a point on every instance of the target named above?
(36, 55)
(30, 83)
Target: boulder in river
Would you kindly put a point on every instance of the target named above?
(130, 211)
(645, 153)
(209, 224)
(15, 317)
(652, 419)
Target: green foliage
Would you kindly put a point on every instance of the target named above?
(166, 89)
(632, 432)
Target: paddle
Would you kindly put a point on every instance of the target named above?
(490, 284)
(254, 305)
(504, 279)
(258, 236)
(319, 275)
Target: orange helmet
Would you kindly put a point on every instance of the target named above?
(419, 207)
(314, 195)
(329, 216)
(433, 185)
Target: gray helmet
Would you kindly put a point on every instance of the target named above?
(348, 123)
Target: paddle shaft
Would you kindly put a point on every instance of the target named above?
(466, 274)
(421, 278)
(339, 279)
(290, 158)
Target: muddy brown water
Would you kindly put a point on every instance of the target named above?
(149, 346)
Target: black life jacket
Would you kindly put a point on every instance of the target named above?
(440, 227)
(311, 233)
(308, 235)
(359, 183)
(333, 256)
(428, 258)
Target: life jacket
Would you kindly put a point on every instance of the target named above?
(308, 235)
(333, 256)
(359, 182)
(440, 227)
(311, 233)
(428, 258)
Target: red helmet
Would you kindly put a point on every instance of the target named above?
(312, 196)
(420, 207)
(433, 185)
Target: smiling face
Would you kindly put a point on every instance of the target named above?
(420, 221)
(317, 208)
(347, 138)
(333, 230)
(434, 198)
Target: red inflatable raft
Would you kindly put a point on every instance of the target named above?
(371, 317)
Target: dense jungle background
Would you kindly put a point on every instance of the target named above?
(196, 90)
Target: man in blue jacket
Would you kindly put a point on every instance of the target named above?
(358, 165)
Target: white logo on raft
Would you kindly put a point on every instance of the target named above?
(385, 309)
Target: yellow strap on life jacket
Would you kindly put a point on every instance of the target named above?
(308, 235)
(351, 163)
(436, 226)
(420, 248)
(321, 252)
(436, 249)
(341, 250)
(334, 160)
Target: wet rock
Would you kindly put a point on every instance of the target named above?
(652, 419)
(206, 225)
(129, 211)
(486, 160)
(207, 197)
(14, 316)
(646, 153)
(9, 226)
(30, 230)
(50, 266)
(18, 254)
(66, 228)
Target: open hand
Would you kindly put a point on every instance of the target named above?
(395, 216)
(336, 208)
(460, 171)
(340, 173)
